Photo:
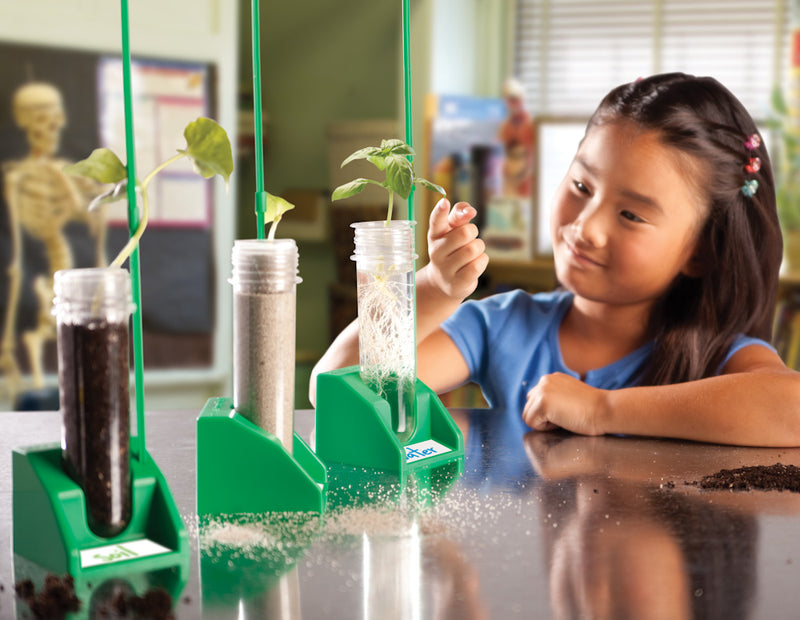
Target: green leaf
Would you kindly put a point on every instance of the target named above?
(431, 186)
(379, 161)
(276, 207)
(397, 147)
(102, 165)
(364, 153)
(208, 146)
(349, 189)
(399, 175)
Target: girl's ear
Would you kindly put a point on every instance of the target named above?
(697, 265)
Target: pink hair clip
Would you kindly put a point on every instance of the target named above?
(754, 165)
(753, 142)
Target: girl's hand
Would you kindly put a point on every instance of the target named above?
(562, 401)
(457, 255)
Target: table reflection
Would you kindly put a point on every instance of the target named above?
(635, 537)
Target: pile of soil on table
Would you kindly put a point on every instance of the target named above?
(156, 604)
(54, 600)
(776, 477)
(57, 598)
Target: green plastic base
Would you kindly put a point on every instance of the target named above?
(243, 469)
(354, 427)
(50, 521)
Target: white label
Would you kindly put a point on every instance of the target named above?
(424, 450)
(130, 550)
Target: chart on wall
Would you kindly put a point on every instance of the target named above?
(168, 96)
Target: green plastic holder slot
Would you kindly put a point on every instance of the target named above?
(354, 427)
(242, 468)
(51, 528)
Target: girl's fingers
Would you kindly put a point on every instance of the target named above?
(439, 222)
(462, 213)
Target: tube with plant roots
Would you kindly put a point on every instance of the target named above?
(384, 256)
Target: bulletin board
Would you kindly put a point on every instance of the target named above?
(177, 264)
(468, 158)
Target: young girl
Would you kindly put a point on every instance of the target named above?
(667, 245)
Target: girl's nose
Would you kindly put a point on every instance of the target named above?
(591, 226)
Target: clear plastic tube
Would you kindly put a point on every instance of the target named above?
(384, 256)
(92, 309)
(264, 324)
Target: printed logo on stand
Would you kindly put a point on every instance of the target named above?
(130, 550)
(424, 450)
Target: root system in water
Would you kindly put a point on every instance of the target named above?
(387, 341)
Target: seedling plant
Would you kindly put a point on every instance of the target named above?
(387, 342)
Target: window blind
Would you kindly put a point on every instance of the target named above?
(569, 53)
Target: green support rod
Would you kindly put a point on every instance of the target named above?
(409, 131)
(133, 224)
(407, 92)
(261, 195)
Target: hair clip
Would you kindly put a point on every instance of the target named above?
(754, 165)
(753, 142)
(749, 188)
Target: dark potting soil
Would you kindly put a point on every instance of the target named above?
(93, 375)
(55, 600)
(776, 477)
(156, 604)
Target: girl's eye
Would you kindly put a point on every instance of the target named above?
(580, 187)
(629, 215)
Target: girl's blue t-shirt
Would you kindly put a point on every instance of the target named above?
(510, 340)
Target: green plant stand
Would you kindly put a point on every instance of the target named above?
(354, 427)
(241, 468)
(50, 520)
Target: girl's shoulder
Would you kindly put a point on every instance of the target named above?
(551, 302)
(518, 309)
(740, 342)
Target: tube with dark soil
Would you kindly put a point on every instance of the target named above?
(93, 307)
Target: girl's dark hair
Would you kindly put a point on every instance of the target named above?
(740, 244)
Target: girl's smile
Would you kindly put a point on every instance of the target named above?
(579, 257)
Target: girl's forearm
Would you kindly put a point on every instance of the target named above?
(433, 306)
(748, 409)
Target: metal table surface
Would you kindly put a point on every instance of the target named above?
(545, 525)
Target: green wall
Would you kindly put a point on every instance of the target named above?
(322, 61)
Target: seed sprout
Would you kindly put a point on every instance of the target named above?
(207, 146)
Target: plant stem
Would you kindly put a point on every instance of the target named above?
(391, 204)
(126, 251)
(273, 227)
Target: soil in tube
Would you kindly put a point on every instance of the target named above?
(265, 355)
(93, 375)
